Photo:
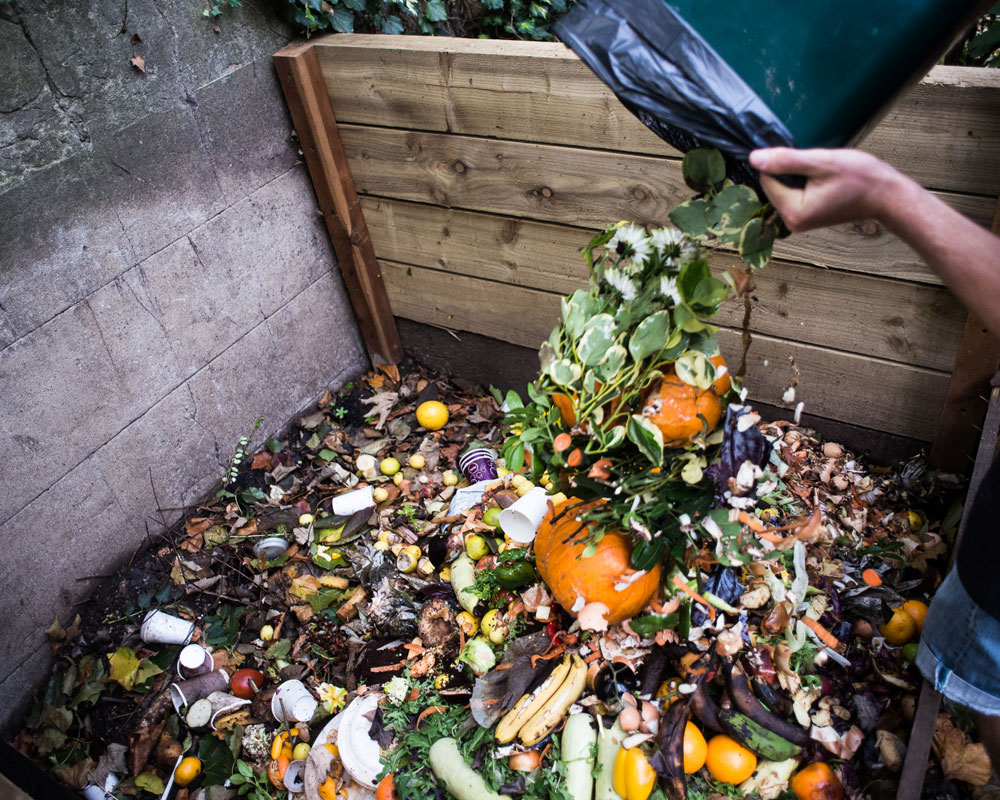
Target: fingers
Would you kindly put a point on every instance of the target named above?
(784, 198)
(788, 161)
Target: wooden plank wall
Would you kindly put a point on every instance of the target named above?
(483, 167)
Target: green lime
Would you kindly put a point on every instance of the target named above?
(910, 651)
(491, 517)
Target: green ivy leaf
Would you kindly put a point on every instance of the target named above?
(694, 368)
(703, 168)
(343, 20)
(686, 319)
(598, 336)
(647, 437)
(731, 209)
(436, 11)
(565, 372)
(650, 335)
(690, 217)
(613, 360)
(392, 25)
(756, 242)
(615, 437)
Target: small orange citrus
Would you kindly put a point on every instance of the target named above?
(187, 771)
(728, 761)
(918, 610)
(695, 749)
(900, 629)
(817, 782)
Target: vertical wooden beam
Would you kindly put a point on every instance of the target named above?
(976, 362)
(312, 114)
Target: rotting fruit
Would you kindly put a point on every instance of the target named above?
(432, 415)
(817, 782)
(595, 579)
(187, 771)
(917, 609)
(695, 748)
(728, 761)
(677, 409)
(900, 628)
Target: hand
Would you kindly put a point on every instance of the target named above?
(842, 186)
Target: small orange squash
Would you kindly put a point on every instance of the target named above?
(593, 579)
(673, 406)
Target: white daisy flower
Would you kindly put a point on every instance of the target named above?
(632, 243)
(668, 288)
(621, 282)
(675, 247)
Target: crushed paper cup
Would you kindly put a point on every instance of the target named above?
(270, 548)
(293, 702)
(194, 660)
(222, 704)
(184, 693)
(479, 464)
(344, 505)
(295, 776)
(520, 521)
(467, 497)
(160, 627)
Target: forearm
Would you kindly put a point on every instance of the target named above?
(963, 254)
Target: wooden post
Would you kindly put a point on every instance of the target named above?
(977, 360)
(312, 114)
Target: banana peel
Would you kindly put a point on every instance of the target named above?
(551, 713)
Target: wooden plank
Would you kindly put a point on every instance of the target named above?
(945, 132)
(864, 391)
(976, 361)
(911, 323)
(309, 104)
(590, 188)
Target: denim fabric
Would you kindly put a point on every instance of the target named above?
(959, 650)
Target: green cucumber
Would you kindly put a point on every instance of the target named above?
(461, 780)
(756, 737)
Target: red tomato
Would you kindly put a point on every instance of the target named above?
(246, 682)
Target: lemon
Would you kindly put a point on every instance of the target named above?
(389, 466)
(187, 770)
(450, 478)
(300, 752)
(432, 415)
(306, 520)
(417, 461)
(397, 478)
(380, 495)
(491, 517)
(266, 633)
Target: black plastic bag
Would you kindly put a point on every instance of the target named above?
(665, 73)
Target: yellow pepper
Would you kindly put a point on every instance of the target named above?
(634, 778)
(328, 789)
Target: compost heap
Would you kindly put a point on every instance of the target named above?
(713, 605)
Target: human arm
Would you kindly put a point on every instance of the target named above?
(847, 185)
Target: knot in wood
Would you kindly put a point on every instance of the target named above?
(459, 167)
(546, 191)
(357, 237)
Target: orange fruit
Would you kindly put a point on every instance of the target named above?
(918, 610)
(187, 770)
(900, 629)
(432, 415)
(695, 749)
(674, 407)
(817, 782)
(723, 383)
(386, 789)
(728, 761)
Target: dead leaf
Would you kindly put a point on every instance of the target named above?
(138, 62)
(375, 381)
(390, 370)
(261, 460)
(960, 759)
(381, 404)
(75, 776)
(59, 637)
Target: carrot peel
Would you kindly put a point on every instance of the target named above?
(678, 581)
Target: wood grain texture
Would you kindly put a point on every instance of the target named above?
(309, 105)
(589, 189)
(911, 323)
(832, 384)
(945, 132)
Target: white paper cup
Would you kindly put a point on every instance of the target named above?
(295, 777)
(222, 704)
(194, 660)
(186, 692)
(344, 505)
(293, 702)
(161, 628)
(520, 521)
(270, 548)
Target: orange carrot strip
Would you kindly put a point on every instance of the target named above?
(773, 538)
(680, 584)
(824, 635)
(545, 752)
(389, 667)
(590, 659)
(751, 522)
(427, 712)
(415, 648)
(500, 667)
(553, 652)
(871, 577)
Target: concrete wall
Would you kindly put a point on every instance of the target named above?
(164, 279)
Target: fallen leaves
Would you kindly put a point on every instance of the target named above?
(138, 62)
(961, 760)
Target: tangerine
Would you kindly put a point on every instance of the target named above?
(432, 415)
(677, 408)
(900, 629)
(695, 748)
(917, 609)
(728, 761)
(187, 771)
(817, 782)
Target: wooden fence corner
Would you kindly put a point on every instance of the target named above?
(312, 115)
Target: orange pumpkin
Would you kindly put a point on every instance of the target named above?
(593, 579)
(673, 406)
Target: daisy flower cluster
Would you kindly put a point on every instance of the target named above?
(657, 256)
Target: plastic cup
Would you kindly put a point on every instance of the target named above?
(293, 702)
(194, 660)
(184, 693)
(160, 627)
(479, 464)
(520, 521)
(344, 505)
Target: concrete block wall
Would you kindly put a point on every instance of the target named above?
(165, 278)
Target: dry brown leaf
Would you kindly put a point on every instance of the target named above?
(381, 404)
(391, 371)
(375, 381)
(261, 460)
(138, 62)
(75, 776)
(960, 759)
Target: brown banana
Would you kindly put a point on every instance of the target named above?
(747, 703)
(705, 708)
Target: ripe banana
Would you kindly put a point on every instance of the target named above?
(545, 720)
(529, 704)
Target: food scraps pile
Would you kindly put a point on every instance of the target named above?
(624, 586)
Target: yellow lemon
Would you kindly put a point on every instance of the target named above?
(432, 415)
